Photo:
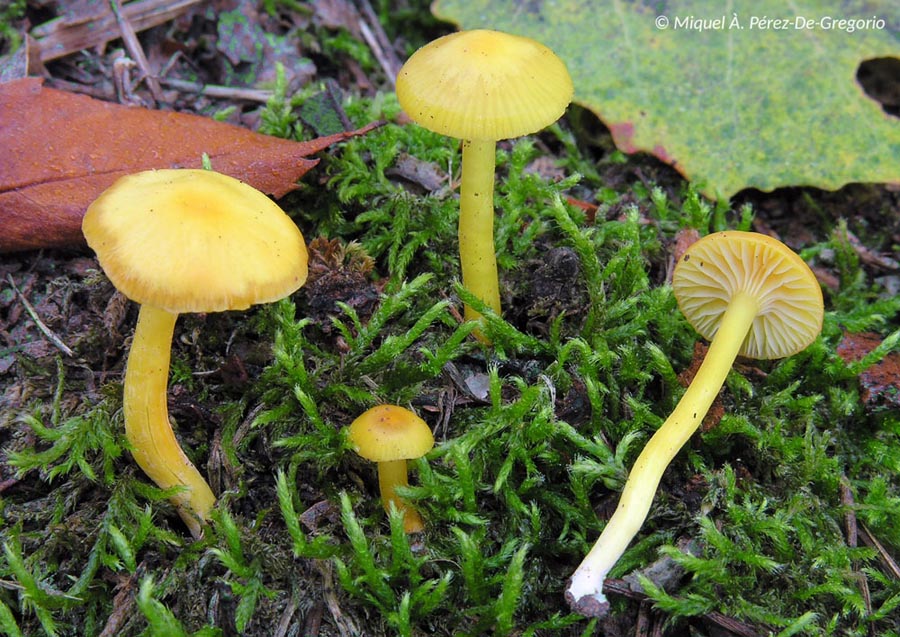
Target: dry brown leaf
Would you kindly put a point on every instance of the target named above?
(61, 150)
(879, 383)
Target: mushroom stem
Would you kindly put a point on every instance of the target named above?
(476, 224)
(584, 592)
(147, 427)
(391, 474)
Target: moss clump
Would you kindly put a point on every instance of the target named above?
(535, 435)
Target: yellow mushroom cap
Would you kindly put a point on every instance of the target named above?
(484, 85)
(387, 432)
(188, 240)
(722, 264)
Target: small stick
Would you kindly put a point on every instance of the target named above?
(345, 624)
(850, 526)
(852, 531)
(218, 91)
(377, 40)
(886, 558)
(123, 604)
(9, 482)
(378, 51)
(333, 93)
(284, 622)
(136, 50)
(642, 626)
(739, 628)
(61, 36)
(37, 321)
(313, 623)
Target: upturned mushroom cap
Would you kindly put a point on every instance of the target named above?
(387, 432)
(484, 84)
(188, 240)
(723, 264)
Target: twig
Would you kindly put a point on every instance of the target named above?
(344, 623)
(123, 604)
(886, 558)
(851, 528)
(379, 53)
(9, 482)
(870, 257)
(61, 36)
(284, 622)
(136, 50)
(122, 66)
(313, 623)
(333, 94)
(37, 321)
(101, 91)
(643, 624)
(217, 91)
(739, 628)
(377, 40)
(732, 625)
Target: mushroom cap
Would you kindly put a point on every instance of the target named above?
(189, 240)
(389, 432)
(720, 265)
(484, 85)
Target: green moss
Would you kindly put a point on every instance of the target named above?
(10, 37)
(535, 436)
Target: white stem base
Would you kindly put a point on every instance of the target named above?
(584, 594)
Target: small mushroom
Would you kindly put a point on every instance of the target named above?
(185, 241)
(390, 435)
(753, 297)
(482, 86)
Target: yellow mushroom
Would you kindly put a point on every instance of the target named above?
(753, 297)
(185, 241)
(482, 86)
(389, 436)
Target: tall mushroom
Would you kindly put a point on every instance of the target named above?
(753, 297)
(185, 241)
(482, 86)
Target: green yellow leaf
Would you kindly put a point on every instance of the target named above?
(758, 95)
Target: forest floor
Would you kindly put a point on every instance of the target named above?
(781, 517)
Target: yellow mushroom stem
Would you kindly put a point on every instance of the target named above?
(392, 474)
(585, 586)
(476, 224)
(147, 425)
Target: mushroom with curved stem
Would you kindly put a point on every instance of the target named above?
(176, 241)
(753, 297)
(390, 435)
(482, 86)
